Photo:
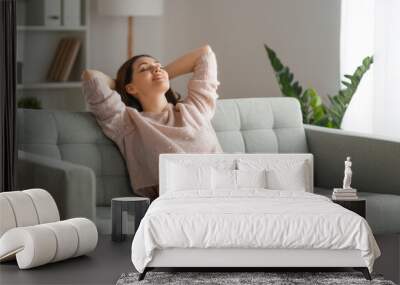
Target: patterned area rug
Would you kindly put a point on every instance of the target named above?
(231, 278)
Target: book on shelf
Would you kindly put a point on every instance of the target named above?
(73, 50)
(56, 59)
(64, 59)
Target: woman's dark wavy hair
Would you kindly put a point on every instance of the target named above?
(124, 77)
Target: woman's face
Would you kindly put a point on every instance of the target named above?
(148, 77)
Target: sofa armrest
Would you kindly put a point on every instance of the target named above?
(376, 160)
(72, 186)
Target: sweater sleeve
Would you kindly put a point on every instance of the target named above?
(106, 105)
(202, 87)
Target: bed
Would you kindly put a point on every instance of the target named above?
(247, 210)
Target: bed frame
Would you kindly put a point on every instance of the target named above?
(246, 258)
(242, 259)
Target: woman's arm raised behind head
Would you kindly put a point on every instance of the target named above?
(186, 63)
(202, 87)
(105, 103)
(88, 74)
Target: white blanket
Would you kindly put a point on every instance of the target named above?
(251, 218)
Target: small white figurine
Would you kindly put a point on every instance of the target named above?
(347, 173)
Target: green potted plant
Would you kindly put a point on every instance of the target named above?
(29, 103)
(314, 111)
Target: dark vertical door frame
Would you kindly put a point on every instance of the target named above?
(8, 95)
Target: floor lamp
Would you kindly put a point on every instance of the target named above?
(130, 8)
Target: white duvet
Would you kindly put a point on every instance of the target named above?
(251, 218)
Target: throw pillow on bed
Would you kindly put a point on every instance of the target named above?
(223, 179)
(183, 177)
(251, 178)
(281, 174)
(231, 179)
(292, 178)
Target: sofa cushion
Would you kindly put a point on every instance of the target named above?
(263, 125)
(380, 207)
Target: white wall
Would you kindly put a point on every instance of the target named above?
(108, 39)
(304, 33)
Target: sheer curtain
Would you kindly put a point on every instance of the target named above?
(387, 68)
(372, 27)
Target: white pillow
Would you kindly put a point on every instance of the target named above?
(292, 178)
(251, 178)
(188, 177)
(281, 174)
(223, 163)
(223, 179)
(230, 179)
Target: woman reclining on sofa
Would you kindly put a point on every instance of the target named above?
(145, 117)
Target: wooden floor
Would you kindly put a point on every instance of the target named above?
(103, 266)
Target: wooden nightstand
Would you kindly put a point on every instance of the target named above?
(357, 206)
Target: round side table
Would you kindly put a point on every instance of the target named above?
(136, 205)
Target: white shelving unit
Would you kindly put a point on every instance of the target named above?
(50, 28)
(37, 40)
(49, 85)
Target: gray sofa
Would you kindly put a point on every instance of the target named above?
(67, 154)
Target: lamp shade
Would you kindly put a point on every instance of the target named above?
(130, 7)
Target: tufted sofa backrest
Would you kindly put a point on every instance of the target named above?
(263, 125)
(247, 125)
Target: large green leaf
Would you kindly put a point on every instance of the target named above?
(312, 107)
(341, 101)
(310, 102)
